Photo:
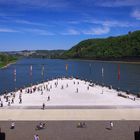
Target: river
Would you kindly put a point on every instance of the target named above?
(90, 70)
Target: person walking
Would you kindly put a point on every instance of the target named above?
(1, 104)
(111, 125)
(77, 90)
(48, 98)
(36, 137)
(43, 106)
(12, 125)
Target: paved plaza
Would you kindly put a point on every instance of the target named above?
(68, 102)
(67, 130)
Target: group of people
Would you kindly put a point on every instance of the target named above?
(40, 88)
(81, 125)
(42, 125)
(84, 125)
(9, 99)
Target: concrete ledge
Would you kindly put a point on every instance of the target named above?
(70, 114)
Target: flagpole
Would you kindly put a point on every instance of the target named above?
(119, 76)
(72, 67)
(42, 73)
(102, 78)
(90, 68)
(15, 78)
(90, 72)
(31, 68)
(66, 70)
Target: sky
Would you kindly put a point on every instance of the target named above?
(61, 24)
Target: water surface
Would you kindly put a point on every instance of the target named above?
(90, 70)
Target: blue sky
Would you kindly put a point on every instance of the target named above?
(60, 24)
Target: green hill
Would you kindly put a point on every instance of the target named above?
(125, 46)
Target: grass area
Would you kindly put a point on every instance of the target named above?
(6, 59)
(2, 64)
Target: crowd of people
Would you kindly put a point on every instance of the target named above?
(9, 98)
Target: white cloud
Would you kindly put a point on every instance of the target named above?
(7, 30)
(108, 23)
(32, 2)
(117, 3)
(12, 18)
(71, 32)
(112, 23)
(38, 32)
(97, 31)
(28, 22)
(136, 14)
(37, 3)
(27, 30)
(91, 31)
(74, 22)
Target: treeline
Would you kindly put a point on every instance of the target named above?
(125, 46)
(47, 53)
(6, 59)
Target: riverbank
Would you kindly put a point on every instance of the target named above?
(123, 61)
(7, 59)
(2, 65)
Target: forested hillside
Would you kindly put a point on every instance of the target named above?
(125, 46)
(47, 53)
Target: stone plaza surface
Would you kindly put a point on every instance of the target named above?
(71, 101)
(71, 93)
(67, 130)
